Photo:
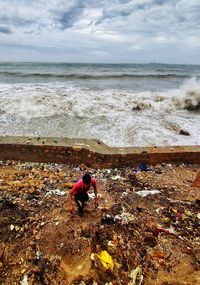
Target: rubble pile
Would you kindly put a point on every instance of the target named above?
(145, 231)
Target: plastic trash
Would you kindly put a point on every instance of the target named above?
(144, 193)
(12, 227)
(117, 177)
(56, 192)
(136, 276)
(168, 231)
(106, 260)
(24, 281)
(108, 219)
(143, 167)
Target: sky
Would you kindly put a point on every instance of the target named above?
(100, 31)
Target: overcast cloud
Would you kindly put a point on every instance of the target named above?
(100, 30)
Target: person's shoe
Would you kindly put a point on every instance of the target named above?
(81, 214)
(81, 211)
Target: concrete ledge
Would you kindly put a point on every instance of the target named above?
(92, 152)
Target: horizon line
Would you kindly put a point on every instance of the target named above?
(100, 63)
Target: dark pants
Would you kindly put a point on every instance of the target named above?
(80, 200)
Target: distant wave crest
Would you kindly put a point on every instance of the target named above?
(93, 76)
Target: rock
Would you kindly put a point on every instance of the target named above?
(184, 133)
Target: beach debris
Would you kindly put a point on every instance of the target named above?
(117, 177)
(159, 230)
(107, 219)
(105, 259)
(144, 193)
(136, 276)
(24, 281)
(56, 192)
(12, 227)
(144, 167)
(133, 231)
(125, 217)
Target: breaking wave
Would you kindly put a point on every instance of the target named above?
(185, 98)
(117, 117)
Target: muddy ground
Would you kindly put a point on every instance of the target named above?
(156, 231)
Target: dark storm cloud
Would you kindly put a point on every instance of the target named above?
(5, 30)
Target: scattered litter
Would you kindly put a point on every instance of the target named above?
(125, 217)
(24, 281)
(106, 260)
(12, 227)
(136, 276)
(56, 192)
(108, 219)
(144, 193)
(124, 194)
(159, 229)
(138, 238)
(38, 255)
(82, 283)
(159, 209)
(91, 195)
(117, 177)
(144, 167)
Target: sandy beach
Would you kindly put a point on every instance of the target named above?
(146, 219)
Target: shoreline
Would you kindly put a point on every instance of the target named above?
(92, 152)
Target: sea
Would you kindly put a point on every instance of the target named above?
(119, 104)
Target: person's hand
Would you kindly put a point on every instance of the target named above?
(71, 209)
(96, 203)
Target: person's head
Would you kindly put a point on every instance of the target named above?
(86, 179)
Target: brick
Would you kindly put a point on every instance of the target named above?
(196, 182)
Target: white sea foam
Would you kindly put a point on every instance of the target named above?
(185, 98)
(117, 117)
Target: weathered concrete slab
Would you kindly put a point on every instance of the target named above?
(92, 152)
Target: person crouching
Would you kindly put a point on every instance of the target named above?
(80, 192)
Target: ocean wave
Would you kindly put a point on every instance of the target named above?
(185, 98)
(94, 76)
(43, 100)
(66, 109)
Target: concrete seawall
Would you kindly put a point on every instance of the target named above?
(92, 152)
